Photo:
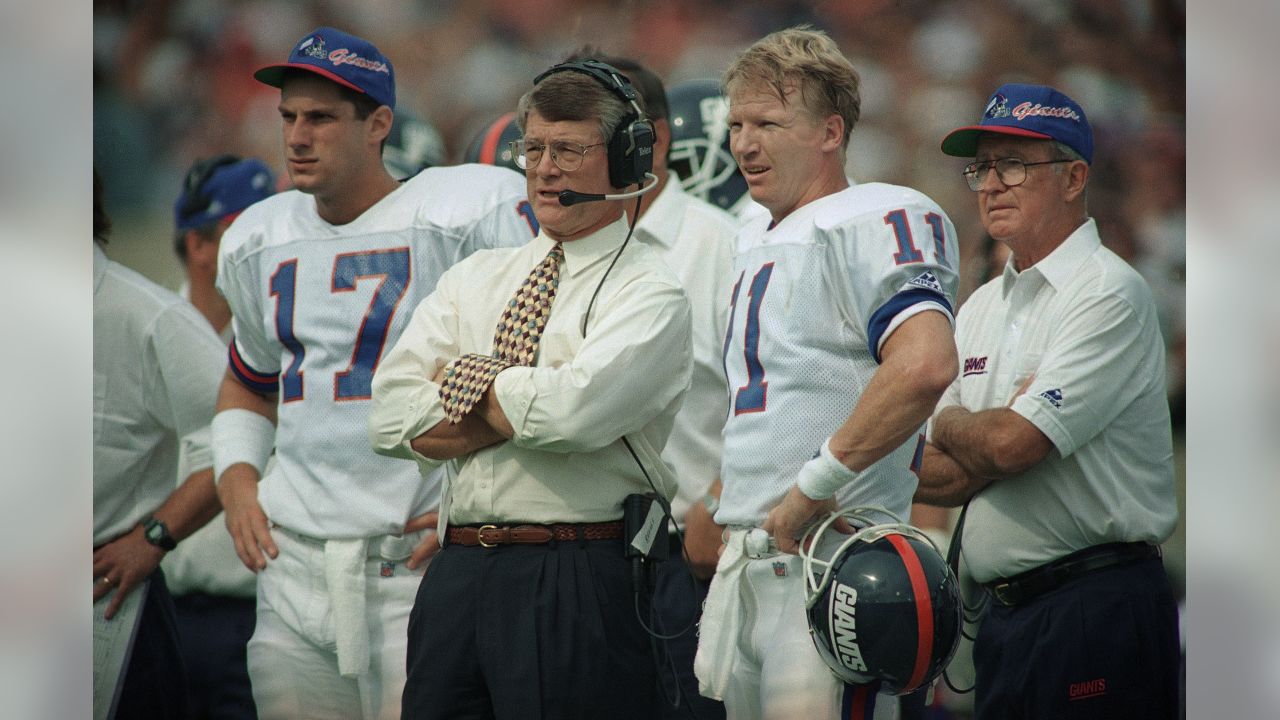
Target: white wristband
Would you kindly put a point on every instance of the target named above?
(822, 476)
(241, 436)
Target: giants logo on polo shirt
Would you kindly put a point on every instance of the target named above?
(975, 366)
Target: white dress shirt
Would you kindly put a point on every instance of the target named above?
(1084, 323)
(157, 366)
(695, 238)
(626, 376)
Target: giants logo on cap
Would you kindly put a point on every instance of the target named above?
(1026, 110)
(998, 107)
(344, 56)
(313, 47)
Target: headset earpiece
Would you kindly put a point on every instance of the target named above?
(630, 148)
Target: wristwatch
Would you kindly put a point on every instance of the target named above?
(157, 533)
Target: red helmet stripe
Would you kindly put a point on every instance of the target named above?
(489, 147)
(924, 609)
(855, 702)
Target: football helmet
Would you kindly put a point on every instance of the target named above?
(883, 605)
(700, 144)
(492, 145)
(413, 145)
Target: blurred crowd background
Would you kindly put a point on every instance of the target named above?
(172, 82)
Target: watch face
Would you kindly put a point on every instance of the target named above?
(157, 534)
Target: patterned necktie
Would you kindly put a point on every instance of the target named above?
(515, 342)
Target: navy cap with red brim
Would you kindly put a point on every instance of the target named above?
(1030, 111)
(345, 59)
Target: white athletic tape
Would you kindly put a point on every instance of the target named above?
(822, 476)
(241, 436)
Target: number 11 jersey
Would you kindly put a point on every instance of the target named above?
(814, 299)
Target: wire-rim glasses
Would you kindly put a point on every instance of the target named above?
(567, 156)
(1011, 171)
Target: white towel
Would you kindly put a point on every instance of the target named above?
(344, 574)
(721, 622)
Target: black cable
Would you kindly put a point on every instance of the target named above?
(654, 636)
(969, 614)
(631, 227)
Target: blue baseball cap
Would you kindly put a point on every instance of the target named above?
(221, 187)
(1033, 111)
(341, 57)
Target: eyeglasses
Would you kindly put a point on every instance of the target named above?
(567, 156)
(1011, 171)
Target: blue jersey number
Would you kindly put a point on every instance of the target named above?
(751, 397)
(283, 284)
(907, 250)
(526, 211)
(392, 268)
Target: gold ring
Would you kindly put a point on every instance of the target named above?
(106, 580)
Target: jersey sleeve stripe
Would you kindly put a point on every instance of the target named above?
(882, 318)
(252, 379)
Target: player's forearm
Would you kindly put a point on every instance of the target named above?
(943, 482)
(233, 394)
(919, 364)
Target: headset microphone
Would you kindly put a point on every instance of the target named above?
(572, 197)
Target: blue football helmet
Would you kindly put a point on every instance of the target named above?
(700, 144)
(413, 145)
(883, 604)
(492, 145)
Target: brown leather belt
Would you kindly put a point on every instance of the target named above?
(494, 535)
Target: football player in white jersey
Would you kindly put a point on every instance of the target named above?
(321, 280)
(839, 344)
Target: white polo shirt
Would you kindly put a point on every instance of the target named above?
(157, 366)
(1085, 324)
(695, 238)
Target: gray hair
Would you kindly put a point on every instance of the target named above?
(1062, 151)
(571, 95)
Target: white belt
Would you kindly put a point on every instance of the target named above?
(721, 622)
(344, 575)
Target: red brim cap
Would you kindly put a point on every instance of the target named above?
(273, 75)
(963, 142)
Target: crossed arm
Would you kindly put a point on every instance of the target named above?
(485, 425)
(971, 449)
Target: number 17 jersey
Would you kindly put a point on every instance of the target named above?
(814, 299)
(315, 306)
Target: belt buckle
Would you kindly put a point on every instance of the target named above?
(480, 535)
(1004, 594)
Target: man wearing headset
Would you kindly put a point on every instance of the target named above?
(532, 595)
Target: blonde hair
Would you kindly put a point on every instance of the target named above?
(808, 60)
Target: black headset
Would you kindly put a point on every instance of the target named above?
(630, 147)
